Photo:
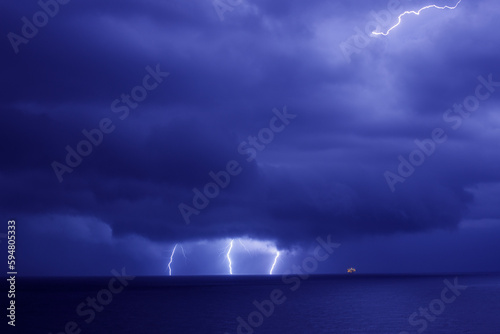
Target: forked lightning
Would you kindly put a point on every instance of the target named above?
(375, 33)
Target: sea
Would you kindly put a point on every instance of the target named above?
(396, 304)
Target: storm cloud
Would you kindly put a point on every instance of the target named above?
(325, 172)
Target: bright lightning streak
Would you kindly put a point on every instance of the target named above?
(416, 13)
(229, 258)
(171, 259)
(274, 264)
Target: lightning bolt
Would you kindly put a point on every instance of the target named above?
(374, 33)
(274, 264)
(171, 258)
(228, 257)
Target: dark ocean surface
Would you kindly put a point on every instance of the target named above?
(258, 304)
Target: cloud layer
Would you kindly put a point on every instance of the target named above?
(324, 173)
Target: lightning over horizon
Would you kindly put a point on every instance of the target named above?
(274, 264)
(233, 252)
(171, 259)
(374, 33)
(229, 258)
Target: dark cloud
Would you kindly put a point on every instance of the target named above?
(323, 174)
